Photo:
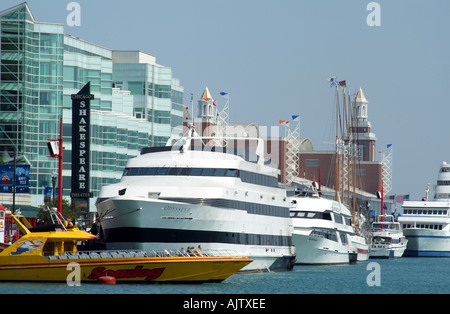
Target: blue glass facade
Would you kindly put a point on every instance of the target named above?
(137, 102)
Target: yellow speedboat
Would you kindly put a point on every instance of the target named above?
(52, 255)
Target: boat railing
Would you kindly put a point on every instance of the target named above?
(137, 253)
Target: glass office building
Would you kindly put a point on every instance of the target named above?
(137, 102)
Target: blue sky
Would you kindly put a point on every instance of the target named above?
(274, 58)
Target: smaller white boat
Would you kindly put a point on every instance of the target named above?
(322, 231)
(388, 240)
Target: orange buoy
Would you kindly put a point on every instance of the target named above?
(107, 280)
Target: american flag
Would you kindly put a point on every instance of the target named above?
(401, 198)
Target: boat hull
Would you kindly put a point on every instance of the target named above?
(139, 269)
(427, 243)
(362, 248)
(313, 250)
(387, 251)
(159, 224)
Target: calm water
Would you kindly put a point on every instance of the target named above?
(406, 275)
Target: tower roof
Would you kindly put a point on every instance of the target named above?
(206, 94)
(360, 96)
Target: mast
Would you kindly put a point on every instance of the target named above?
(337, 146)
(349, 150)
(354, 162)
(344, 146)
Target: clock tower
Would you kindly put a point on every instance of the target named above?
(366, 138)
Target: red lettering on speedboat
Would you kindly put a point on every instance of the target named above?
(137, 272)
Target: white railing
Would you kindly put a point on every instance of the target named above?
(136, 253)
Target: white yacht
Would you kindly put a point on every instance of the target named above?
(190, 196)
(426, 223)
(388, 240)
(323, 233)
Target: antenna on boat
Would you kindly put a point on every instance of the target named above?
(427, 192)
(56, 217)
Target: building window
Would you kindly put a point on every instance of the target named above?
(136, 88)
(312, 162)
(360, 172)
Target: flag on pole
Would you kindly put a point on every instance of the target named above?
(225, 95)
(332, 81)
(401, 198)
(295, 117)
(283, 122)
(342, 84)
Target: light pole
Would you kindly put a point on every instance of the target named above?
(14, 177)
(54, 176)
(58, 154)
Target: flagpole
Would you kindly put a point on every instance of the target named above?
(192, 107)
(337, 154)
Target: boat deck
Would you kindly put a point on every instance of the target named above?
(138, 253)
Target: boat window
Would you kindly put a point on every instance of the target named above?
(220, 172)
(196, 171)
(311, 215)
(208, 172)
(185, 171)
(173, 171)
(326, 216)
(259, 179)
(141, 171)
(343, 239)
(338, 218)
(151, 171)
(232, 173)
(162, 171)
(323, 233)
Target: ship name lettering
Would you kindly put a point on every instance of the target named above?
(137, 272)
(177, 209)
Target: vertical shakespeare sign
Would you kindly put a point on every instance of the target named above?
(80, 144)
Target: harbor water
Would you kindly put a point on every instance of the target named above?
(400, 276)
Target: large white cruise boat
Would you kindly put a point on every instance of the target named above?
(323, 233)
(388, 240)
(199, 196)
(426, 223)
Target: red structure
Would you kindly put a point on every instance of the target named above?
(59, 155)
